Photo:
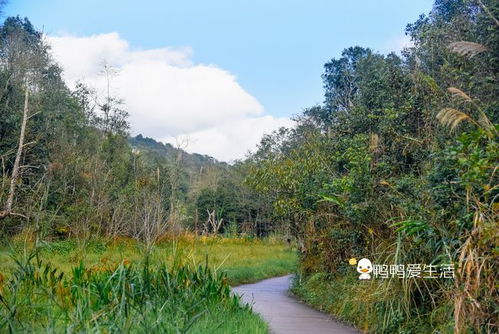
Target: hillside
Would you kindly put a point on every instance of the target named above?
(193, 162)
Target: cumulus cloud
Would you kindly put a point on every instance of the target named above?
(397, 44)
(233, 138)
(168, 96)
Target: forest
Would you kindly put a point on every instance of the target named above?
(399, 165)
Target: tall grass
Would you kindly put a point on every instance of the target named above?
(390, 305)
(243, 259)
(180, 298)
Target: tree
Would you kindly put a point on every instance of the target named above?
(16, 168)
(375, 172)
(26, 57)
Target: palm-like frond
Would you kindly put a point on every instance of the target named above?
(451, 117)
(467, 49)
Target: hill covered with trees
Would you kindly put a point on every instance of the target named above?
(194, 162)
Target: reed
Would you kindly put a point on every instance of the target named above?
(182, 297)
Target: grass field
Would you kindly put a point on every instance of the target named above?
(243, 259)
(108, 286)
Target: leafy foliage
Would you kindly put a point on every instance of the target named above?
(376, 173)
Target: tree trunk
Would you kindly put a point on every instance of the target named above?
(15, 170)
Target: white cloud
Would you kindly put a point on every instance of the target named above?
(168, 96)
(232, 138)
(397, 44)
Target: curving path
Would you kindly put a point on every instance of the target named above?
(285, 314)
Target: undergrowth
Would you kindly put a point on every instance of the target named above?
(373, 306)
(177, 298)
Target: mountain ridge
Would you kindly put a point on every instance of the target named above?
(193, 161)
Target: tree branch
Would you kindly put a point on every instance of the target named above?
(489, 13)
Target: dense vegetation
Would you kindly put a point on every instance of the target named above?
(93, 222)
(399, 165)
(69, 167)
(177, 298)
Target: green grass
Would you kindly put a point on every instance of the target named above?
(105, 286)
(375, 306)
(244, 260)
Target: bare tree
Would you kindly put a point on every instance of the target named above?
(212, 222)
(150, 221)
(24, 56)
(114, 118)
(181, 143)
(17, 163)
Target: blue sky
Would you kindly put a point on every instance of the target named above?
(275, 49)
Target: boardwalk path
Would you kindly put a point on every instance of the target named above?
(285, 314)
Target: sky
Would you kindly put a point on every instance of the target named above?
(214, 75)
